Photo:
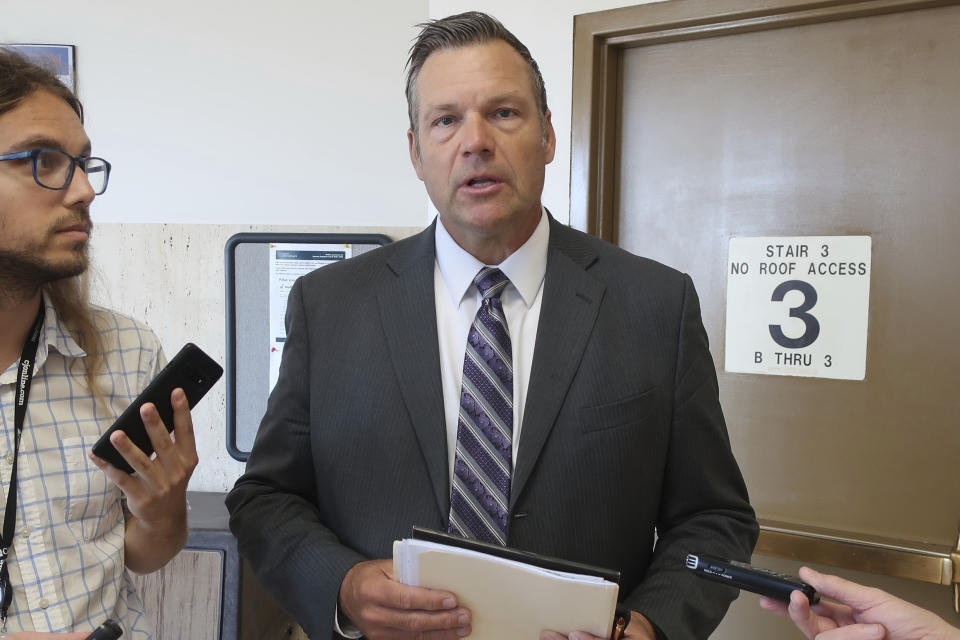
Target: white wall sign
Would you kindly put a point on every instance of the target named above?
(798, 306)
(289, 261)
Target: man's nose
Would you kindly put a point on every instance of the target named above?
(79, 191)
(477, 135)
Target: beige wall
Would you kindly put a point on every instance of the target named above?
(242, 112)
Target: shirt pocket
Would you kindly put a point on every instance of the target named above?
(89, 494)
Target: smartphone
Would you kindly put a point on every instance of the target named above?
(192, 370)
(766, 582)
(109, 630)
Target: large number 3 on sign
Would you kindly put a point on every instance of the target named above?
(811, 323)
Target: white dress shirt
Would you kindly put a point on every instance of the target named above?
(457, 299)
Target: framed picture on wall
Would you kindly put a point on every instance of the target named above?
(58, 58)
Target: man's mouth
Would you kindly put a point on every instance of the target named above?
(71, 223)
(75, 228)
(479, 182)
(79, 231)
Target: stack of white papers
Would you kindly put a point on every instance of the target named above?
(508, 599)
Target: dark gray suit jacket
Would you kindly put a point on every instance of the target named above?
(623, 437)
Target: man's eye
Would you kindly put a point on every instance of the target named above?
(445, 121)
(50, 161)
(504, 113)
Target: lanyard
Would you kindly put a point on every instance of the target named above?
(24, 376)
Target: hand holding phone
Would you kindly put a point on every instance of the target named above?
(156, 494)
(766, 582)
(191, 370)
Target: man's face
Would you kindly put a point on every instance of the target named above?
(43, 233)
(482, 150)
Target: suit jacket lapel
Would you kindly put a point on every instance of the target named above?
(571, 301)
(410, 325)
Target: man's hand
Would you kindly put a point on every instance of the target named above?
(862, 613)
(156, 493)
(383, 609)
(638, 629)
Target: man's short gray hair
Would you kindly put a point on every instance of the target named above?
(461, 30)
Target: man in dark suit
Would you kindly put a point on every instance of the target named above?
(570, 408)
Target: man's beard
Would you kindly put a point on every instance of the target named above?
(24, 271)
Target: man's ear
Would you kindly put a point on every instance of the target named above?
(414, 153)
(550, 139)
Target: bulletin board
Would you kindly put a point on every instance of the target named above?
(260, 269)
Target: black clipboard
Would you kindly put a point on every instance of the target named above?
(528, 557)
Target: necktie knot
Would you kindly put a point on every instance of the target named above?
(491, 282)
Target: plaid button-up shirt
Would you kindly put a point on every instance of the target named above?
(66, 564)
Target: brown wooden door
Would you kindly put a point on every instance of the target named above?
(829, 122)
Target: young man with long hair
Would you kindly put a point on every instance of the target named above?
(73, 523)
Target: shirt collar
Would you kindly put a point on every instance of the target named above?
(54, 336)
(525, 267)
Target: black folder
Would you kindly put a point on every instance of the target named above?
(534, 559)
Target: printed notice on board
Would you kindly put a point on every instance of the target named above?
(798, 306)
(287, 263)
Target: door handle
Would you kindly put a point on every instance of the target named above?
(911, 560)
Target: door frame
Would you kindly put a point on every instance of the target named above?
(599, 42)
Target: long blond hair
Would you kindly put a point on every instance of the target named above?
(71, 299)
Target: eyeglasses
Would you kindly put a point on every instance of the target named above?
(53, 169)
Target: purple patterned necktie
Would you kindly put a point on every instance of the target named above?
(480, 494)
